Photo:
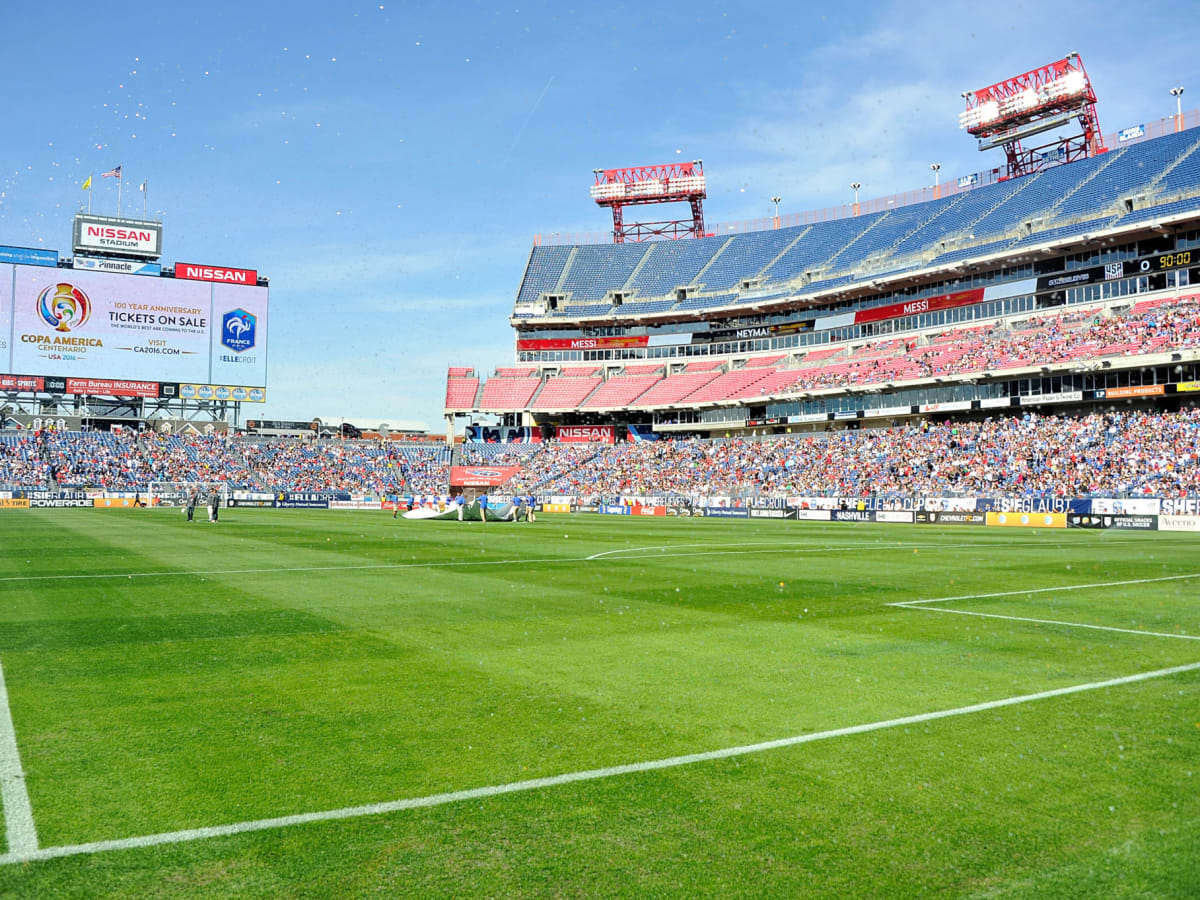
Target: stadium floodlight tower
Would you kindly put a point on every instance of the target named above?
(1049, 97)
(681, 182)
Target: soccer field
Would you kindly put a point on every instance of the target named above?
(343, 704)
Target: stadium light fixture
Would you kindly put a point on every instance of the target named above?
(937, 168)
(855, 185)
(1177, 93)
(1010, 111)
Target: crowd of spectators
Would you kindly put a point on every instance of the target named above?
(1102, 454)
(129, 460)
(1108, 453)
(1041, 340)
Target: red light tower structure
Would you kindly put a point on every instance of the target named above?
(1006, 113)
(681, 182)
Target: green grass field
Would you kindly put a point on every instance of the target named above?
(165, 677)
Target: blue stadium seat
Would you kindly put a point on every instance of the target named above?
(1059, 202)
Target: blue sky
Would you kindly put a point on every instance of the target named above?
(387, 165)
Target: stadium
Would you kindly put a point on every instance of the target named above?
(850, 552)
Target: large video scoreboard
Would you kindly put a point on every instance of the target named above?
(89, 332)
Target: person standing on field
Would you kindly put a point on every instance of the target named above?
(192, 500)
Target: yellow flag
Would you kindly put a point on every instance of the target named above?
(87, 185)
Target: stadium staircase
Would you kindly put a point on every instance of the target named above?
(674, 388)
(638, 268)
(541, 386)
(566, 270)
(699, 279)
(1162, 176)
(1109, 160)
(619, 391)
(828, 265)
(971, 234)
(565, 392)
(882, 261)
(782, 253)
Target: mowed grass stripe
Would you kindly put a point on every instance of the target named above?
(372, 809)
(244, 697)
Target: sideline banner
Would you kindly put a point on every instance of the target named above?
(1027, 520)
(726, 512)
(1179, 523)
(285, 500)
(1135, 506)
(10, 503)
(813, 515)
(853, 515)
(1180, 506)
(934, 517)
(772, 514)
(648, 511)
(1128, 522)
(59, 499)
(113, 503)
(896, 516)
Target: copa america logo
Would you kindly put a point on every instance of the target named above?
(63, 306)
(237, 330)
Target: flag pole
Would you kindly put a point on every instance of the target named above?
(89, 193)
(120, 184)
(145, 196)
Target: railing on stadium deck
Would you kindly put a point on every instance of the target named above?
(1114, 141)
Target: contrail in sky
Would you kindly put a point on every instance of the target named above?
(525, 124)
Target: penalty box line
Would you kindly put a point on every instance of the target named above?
(18, 813)
(922, 606)
(194, 834)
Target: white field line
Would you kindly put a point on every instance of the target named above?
(18, 814)
(922, 605)
(776, 547)
(372, 809)
(782, 548)
(1049, 590)
(963, 612)
(182, 573)
(608, 553)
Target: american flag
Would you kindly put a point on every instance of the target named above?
(115, 173)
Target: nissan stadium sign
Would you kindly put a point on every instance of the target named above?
(117, 237)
